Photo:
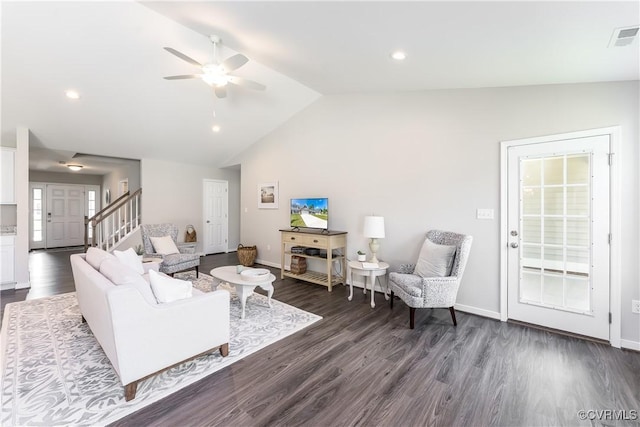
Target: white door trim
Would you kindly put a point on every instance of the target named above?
(616, 228)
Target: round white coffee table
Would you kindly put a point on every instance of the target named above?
(244, 288)
(358, 269)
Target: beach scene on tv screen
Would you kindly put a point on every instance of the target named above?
(310, 213)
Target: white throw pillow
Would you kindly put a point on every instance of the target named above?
(167, 289)
(164, 245)
(435, 260)
(131, 259)
(96, 256)
(120, 274)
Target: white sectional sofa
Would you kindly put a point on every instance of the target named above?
(140, 336)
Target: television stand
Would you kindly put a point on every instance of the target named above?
(324, 239)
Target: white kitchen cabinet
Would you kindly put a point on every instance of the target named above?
(7, 175)
(7, 259)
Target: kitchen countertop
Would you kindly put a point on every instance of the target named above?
(7, 230)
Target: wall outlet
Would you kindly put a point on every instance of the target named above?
(635, 306)
(268, 247)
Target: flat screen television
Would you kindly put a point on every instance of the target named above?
(310, 213)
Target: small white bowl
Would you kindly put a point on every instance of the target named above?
(255, 274)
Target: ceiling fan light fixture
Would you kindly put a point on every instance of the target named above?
(75, 168)
(215, 79)
(398, 55)
(72, 94)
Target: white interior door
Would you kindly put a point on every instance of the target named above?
(65, 215)
(559, 224)
(216, 216)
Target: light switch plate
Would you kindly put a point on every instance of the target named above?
(484, 214)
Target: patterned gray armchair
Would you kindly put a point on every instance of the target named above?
(432, 292)
(186, 259)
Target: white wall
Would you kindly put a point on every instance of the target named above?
(111, 181)
(172, 192)
(427, 160)
(64, 178)
(22, 208)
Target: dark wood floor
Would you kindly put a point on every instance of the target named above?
(363, 366)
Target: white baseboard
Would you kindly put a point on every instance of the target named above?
(478, 311)
(7, 286)
(269, 263)
(631, 345)
(23, 285)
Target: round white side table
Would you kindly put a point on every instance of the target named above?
(357, 269)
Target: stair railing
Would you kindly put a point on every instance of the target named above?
(114, 222)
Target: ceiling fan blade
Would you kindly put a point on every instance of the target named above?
(183, 57)
(246, 83)
(185, 76)
(220, 91)
(233, 63)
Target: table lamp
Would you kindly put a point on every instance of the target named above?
(374, 229)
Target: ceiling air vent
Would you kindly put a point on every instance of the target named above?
(623, 36)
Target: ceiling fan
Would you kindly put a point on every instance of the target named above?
(216, 73)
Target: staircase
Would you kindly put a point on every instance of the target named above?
(113, 223)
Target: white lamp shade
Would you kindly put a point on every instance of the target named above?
(374, 227)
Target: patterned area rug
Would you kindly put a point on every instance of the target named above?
(54, 372)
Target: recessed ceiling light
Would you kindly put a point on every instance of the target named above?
(75, 168)
(398, 55)
(72, 94)
(215, 128)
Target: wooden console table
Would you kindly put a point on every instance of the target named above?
(328, 241)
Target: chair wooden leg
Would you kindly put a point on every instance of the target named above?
(224, 350)
(412, 317)
(391, 301)
(196, 271)
(130, 391)
(453, 316)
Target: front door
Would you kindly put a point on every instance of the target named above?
(65, 215)
(216, 221)
(559, 224)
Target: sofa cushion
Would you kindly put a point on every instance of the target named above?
(435, 260)
(121, 274)
(95, 257)
(164, 245)
(131, 259)
(167, 289)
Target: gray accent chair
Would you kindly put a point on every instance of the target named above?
(173, 263)
(432, 292)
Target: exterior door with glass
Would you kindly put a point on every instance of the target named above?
(559, 224)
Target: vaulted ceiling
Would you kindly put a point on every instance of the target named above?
(112, 54)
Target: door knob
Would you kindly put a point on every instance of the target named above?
(514, 245)
(208, 221)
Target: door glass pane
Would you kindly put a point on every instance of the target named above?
(532, 204)
(552, 289)
(531, 170)
(553, 231)
(577, 293)
(530, 289)
(578, 200)
(553, 200)
(578, 169)
(531, 230)
(555, 240)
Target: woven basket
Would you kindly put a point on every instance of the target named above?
(247, 255)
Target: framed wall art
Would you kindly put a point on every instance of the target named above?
(268, 195)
